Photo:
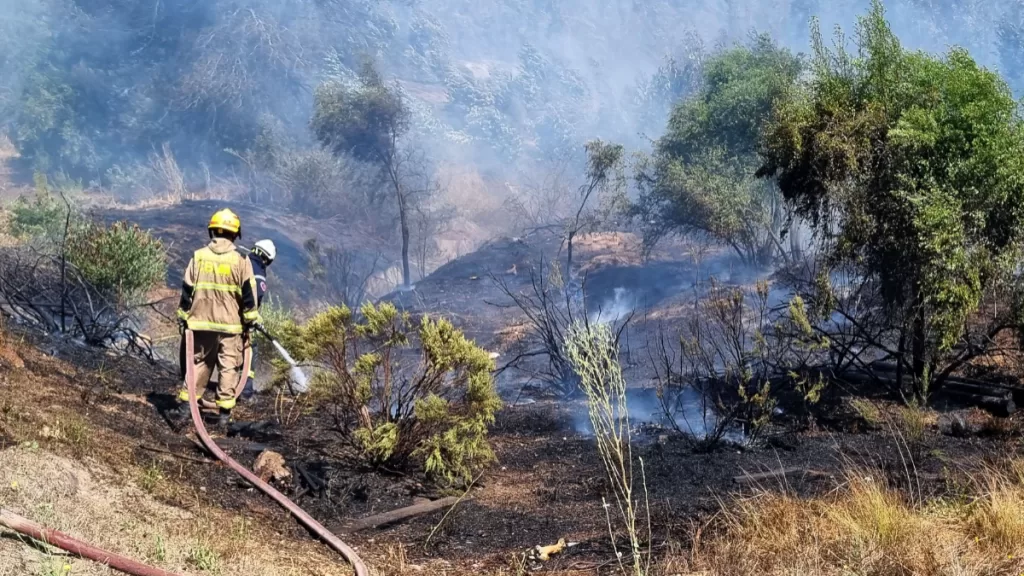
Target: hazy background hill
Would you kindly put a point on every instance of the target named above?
(169, 100)
(93, 87)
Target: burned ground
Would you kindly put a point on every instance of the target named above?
(547, 482)
(107, 411)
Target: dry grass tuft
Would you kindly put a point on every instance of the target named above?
(997, 517)
(93, 504)
(867, 528)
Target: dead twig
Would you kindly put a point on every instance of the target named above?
(446, 514)
(175, 454)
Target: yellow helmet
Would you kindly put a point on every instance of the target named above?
(225, 220)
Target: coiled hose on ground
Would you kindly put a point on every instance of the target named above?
(333, 541)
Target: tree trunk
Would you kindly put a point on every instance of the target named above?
(918, 351)
(568, 259)
(403, 215)
(795, 249)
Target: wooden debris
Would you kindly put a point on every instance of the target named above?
(313, 483)
(543, 553)
(270, 465)
(175, 454)
(776, 474)
(400, 514)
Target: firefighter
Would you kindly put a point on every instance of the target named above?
(261, 256)
(219, 305)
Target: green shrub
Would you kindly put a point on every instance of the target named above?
(39, 216)
(122, 260)
(403, 392)
(276, 319)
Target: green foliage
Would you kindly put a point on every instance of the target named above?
(701, 179)
(868, 411)
(911, 167)
(203, 558)
(121, 259)
(593, 351)
(41, 216)
(432, 408)
(364, 121)
(277, 319)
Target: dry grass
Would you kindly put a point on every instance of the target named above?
(866, 528)
(7, 148)
(118, 516)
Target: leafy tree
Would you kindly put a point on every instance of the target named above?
(701, 176)
(369, 122)
(911, 168)
(432, 406)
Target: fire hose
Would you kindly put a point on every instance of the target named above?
(77, 547)
(308, 521)
(124, 564)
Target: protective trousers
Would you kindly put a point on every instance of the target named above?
(225, 352)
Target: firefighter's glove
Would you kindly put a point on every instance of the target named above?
(182, 321)
(257, 326)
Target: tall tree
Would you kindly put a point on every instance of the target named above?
(369, 122)
(701, 176)
(911, 168)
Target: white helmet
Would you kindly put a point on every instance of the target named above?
(267, 248)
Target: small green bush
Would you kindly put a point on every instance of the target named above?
(122, 260)
(402, 391)
(276, 318)
(39, 216)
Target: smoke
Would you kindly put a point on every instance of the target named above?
(682, 409)
(498, 85)
(617, 308)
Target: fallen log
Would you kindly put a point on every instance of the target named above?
(994, 400)
(400, 514)
(1000, 406)
(77, 547)
(964, 382)
(747, 478)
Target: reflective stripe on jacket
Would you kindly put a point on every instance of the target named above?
(219, 290)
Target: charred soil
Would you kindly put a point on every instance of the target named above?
(107, 411)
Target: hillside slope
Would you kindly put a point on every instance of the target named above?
(182, 227)
(77, 430)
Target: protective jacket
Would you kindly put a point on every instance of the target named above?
(259, 270)
(219, 292)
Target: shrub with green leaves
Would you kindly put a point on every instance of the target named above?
(402, 392)
(122, 259)
(908, 167)
(39, 216)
